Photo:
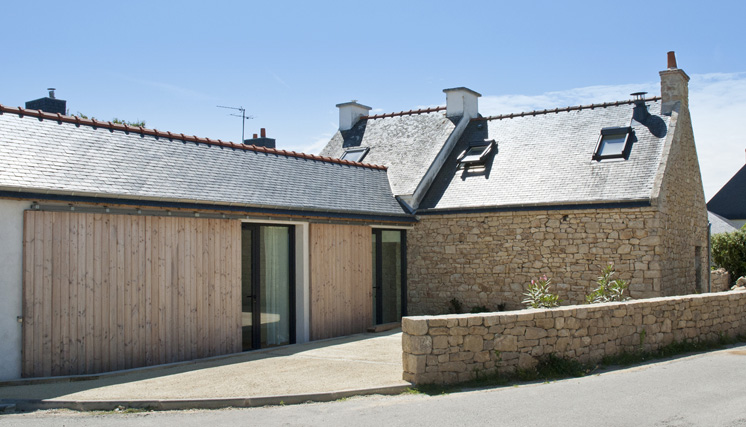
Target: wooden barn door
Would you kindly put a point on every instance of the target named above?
(107, 292)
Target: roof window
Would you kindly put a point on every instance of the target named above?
(614, 143)
(476, 154)
(355, 154)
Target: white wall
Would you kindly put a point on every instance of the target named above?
(11, 289)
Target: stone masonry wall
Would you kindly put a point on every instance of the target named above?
(487, 259)
(683, 215)
(720, 280)
(455, 348)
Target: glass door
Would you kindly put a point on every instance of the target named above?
(268, 285)
(389, 275)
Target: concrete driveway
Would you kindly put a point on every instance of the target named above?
(317, 371)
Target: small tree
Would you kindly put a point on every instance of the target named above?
(538, 295)
(608, 290)
(729, 252)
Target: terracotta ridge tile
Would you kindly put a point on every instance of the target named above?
(405, 113)
(563, 109)
(156, 133)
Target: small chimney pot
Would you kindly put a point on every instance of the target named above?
(263, 132)
(672, 60)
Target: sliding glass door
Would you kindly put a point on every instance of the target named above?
(268, 285)
(389, 275)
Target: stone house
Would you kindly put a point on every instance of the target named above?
(123, 246)
(563, 192)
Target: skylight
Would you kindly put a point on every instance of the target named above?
(354, 154)
(614, 143)
(476, 154)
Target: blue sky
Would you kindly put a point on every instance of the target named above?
(289, 63)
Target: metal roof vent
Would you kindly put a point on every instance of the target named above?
(640, 112)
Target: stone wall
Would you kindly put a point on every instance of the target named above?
(455, 348)
(487, 259)
(682, 212)
(720, 280)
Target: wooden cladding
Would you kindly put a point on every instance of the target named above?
(341, 280)
(108, 292)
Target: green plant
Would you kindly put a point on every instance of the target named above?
(729, 252)
(138, 123)
(608, 290)
(480, 309)
(538, 295)
(455, 306)
(551, 366)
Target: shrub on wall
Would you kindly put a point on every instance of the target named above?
(608, 290)
(729, 252)
(538, 295)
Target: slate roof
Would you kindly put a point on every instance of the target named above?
(50, 156)
(546, 159)
(720, 224)
(730, 201)
(407, 144)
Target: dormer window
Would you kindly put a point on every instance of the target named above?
(355, 154)
(614, 143)
(476, 154)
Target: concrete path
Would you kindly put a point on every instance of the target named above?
(317, 371)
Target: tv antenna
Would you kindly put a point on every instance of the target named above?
(243, 116)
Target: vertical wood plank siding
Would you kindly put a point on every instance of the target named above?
(341, 280)
(107, 292)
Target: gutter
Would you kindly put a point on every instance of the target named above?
(243, 209)
(599, 204)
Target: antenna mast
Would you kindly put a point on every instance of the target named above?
(243, 116)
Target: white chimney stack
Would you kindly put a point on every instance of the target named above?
(350, 113)
(461, 101)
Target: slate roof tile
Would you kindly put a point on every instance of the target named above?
(406, 144)
(46, 155)
(547, 159)
(730, 201)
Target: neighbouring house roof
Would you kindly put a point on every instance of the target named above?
(720, 224)
(406, 142)
(53, 154)
(546, 158)
(730, 201)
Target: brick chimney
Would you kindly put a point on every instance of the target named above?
(261, 141)
(49, 104)
(461, 101)
(674, 85)
(350, 113)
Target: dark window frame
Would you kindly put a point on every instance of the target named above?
(356, 150)
(255, 279)
(378, 286)
(627, 131)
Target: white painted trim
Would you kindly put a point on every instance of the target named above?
(437, 164)
(11, 287)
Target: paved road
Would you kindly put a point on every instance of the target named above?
(700, 390)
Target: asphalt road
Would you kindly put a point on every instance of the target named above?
(700, 390)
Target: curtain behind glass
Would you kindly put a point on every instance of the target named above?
(275, 285)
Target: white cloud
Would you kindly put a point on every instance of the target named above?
(718, 106)
(169, 88)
